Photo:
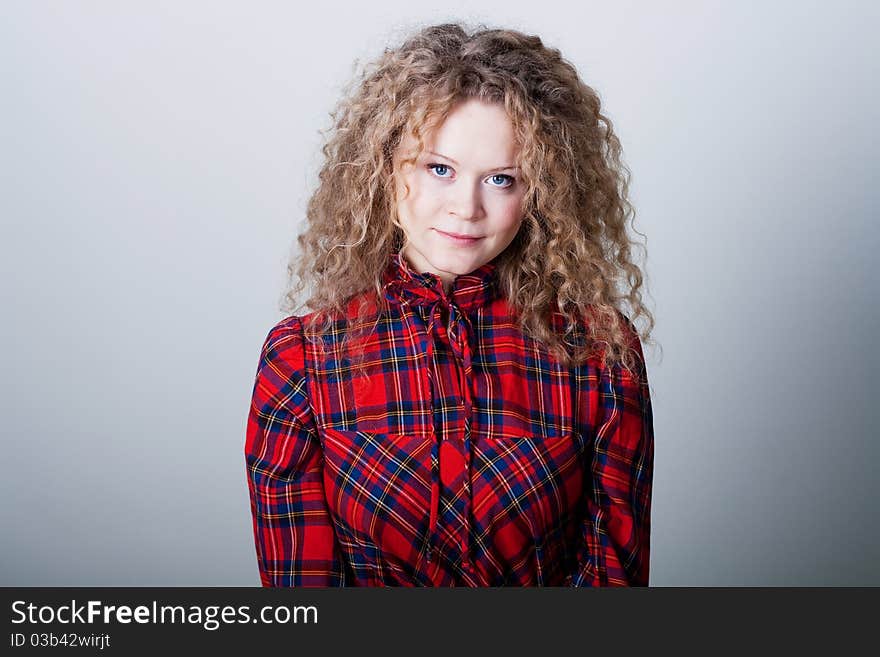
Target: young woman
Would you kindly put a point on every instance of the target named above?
(466, 403)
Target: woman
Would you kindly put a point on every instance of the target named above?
(466, 403)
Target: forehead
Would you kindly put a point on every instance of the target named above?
(475, 133)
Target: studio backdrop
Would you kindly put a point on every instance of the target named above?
(156, 159)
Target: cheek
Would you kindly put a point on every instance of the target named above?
(409, 204)
(509, 218)
(512, 230)
(424, 206)
(408, 191)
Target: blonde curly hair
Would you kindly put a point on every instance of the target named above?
(572, 258)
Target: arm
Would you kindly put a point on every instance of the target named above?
(292, 529)
(614, 547)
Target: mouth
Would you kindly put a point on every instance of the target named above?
(460, 239)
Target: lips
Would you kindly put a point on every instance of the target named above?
(459, 236)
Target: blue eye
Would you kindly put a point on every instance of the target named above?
(506, 181)
(434, 167)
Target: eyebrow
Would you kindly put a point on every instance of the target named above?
(445, 157)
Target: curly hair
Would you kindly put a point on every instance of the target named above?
(572, 257)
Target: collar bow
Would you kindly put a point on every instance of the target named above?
(468, 292)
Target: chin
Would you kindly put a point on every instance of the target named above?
(455, 265)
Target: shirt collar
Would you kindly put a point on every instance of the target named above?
(468, 292)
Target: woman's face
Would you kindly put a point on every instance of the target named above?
(465, 183)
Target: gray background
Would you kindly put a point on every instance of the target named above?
(156, 159)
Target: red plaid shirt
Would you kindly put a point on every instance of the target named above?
(466, 456)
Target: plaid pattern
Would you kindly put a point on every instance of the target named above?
(465, 455)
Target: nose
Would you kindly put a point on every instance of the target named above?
(465, 201)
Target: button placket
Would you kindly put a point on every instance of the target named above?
(425, 291)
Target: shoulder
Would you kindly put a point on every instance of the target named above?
(630, 333)
(282, 354)
(281, 383)
(597, 320)
(632, 369)
(363, 305)
(613, 325)
(285, 334)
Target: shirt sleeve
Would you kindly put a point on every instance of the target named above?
(294, 536)
(614, 546)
